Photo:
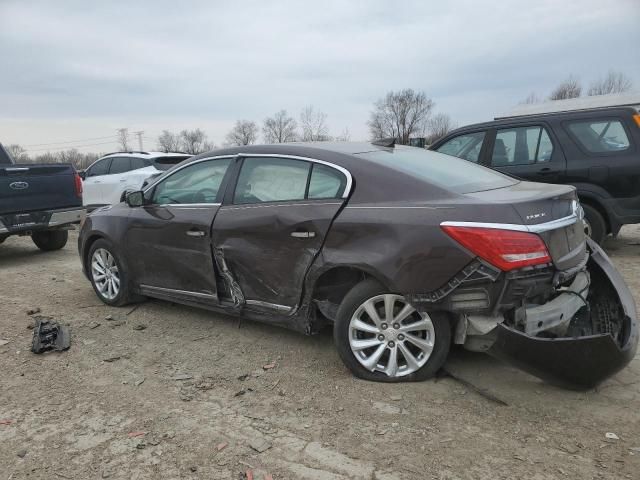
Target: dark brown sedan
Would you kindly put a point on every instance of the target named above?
(402, 250)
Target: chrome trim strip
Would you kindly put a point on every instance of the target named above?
(280, 204)
(16, 169)
(178, 292)
(345, 172)
(399, 207)
(274, 306)
(189, 205)
(538, 228)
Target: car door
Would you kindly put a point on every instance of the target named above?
(168, 240)
(528, 152)
(272, 226)
(114, 183)
(92, 185)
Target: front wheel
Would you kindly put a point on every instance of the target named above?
(50, 240)
(381, 337)
(108, 274)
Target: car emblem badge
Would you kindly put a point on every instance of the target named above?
(19, 185)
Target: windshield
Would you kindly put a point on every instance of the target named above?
(165, 163)
(450, 173)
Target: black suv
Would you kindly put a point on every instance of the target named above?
(589, 143)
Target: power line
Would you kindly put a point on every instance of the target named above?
(71, 146)
(68, 141)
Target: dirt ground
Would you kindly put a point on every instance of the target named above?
(166, 391)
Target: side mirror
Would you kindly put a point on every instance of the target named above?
(82, 174)
(135, 199)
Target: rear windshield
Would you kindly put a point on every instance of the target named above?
(165, 163)
(450, 173)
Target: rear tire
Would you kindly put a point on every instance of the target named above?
(595, 226)
(393, 335)
(50, 240)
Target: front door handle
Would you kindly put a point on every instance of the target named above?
(299, 234)
(195, 233)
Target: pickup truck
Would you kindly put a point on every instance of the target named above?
(42, 201)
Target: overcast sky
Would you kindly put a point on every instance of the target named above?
(77, 70)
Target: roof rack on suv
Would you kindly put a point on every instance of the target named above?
(130, 151)
(574, 104)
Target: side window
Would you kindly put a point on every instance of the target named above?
(600, 136)
(197, 183)
(120, 165)
(465, 146)
(326, 182)
(521, 146)
(99, 168)
(271, 180)
(137, 163)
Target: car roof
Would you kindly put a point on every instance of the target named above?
(149, 155)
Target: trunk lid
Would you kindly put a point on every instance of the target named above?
(542, 207)
(28, 188)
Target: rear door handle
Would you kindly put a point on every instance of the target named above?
(298, 234)
(195, 233)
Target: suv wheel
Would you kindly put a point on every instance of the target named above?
(381, 337)
(594, 224)
(50, 240)
(108, 274)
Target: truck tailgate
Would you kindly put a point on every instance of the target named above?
(29, 188)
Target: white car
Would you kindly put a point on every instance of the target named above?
(105, 181)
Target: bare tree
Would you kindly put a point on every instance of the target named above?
(400, 115)
(18, 153)
(244, 132)
(614, 82)
(345, 136)
(169, 142)
(530, 99)
(438, 126)
(314, 125)
(122, 137)
(570, 88)
(194, 142)
(280, 128)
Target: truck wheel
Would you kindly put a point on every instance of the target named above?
(594, 224)
(109, 275)
(50, 240)
(381, 337)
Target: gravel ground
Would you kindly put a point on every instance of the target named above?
(166, 391)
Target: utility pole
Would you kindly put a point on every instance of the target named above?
(123, 139)
(139, 134)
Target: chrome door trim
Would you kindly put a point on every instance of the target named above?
(172, 291)
(344, 171)
(292, 203)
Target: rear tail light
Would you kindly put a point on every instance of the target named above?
(78, 184)
(505, 249)
(636, 117)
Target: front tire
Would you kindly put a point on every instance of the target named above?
(108, 274)
(381, 337)
(50, 240)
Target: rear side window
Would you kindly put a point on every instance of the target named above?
(600, 136)
(449, 173)
(271, 180)
(101, 167)
(326, 182)
(120, 165)
(465, 146)
(521, 146)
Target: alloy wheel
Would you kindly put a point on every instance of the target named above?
(105, 273)
(388, 335)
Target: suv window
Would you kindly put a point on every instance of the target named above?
(120, 165)
(465, 146)
(101, 167)
(137, 163)
(271, 180)
(165, 163)
(521, 146)
(326, 182)
(197, 183)
(600, 136)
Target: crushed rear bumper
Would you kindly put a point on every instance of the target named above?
(577, 362)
